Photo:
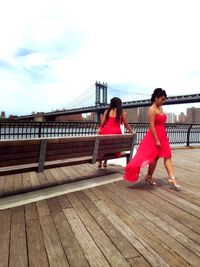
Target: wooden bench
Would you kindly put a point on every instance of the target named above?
(17, 156)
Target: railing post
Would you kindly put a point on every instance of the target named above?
(40, 127)
(188, 134)
(95, 152)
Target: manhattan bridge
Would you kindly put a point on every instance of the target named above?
(97, 97)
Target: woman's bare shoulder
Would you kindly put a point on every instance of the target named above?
(151, 110)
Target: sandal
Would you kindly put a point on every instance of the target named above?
(99, 165)
(105, 165)
(173, 184)
(149, 180)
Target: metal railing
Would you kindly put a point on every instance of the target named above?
(179, 134)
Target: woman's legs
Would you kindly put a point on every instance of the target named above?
(100, 164)
(105, 164)
(151, 169)
(170, 170)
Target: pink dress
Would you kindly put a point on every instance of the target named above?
(148, 151)
(111, 126)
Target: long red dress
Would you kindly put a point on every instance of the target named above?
(148, 151)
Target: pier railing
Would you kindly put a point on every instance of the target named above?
(178, 133)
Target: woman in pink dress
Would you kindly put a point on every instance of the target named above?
(154, 145)
(112, 118)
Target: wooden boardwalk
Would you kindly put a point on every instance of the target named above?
(117, 224)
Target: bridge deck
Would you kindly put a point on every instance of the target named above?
(115, 224)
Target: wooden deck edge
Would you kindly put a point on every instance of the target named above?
(37, 195)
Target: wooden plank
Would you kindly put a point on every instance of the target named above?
(68, 149)
(18, 161)
(145, 229)
(79, 156)
(151, 256)
(61, 175)
(18, 155)
(53, 205)
(12, 149)
(36, 250)
(50, 177)
(64, 202)
(54, 172)
(5, 221)
(181, 250)
(42, 179)
(18, 215)
(18, 247)
(42, 208)
(31, 212)
(115, 236)
(54, 249)
(9, 184)
(112, 254)
(2, 183)
(138, 262)
(179, 202)
(24, 142)
(26, 180)
(86, 242)
(67, 172)
(146, 202)
(35, 182)
(72, 249)
(17, 182)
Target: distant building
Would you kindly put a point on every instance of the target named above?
(92, 116)
(73, 117)
(3, 114)
(142, 114)
(193, 115)
(182, 118)
(171, 117)
(132, 114)
(39, 117)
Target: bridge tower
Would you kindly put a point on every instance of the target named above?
(101, 96)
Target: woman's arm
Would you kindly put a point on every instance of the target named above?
(103, 122)
(151, 117)
(126, 124)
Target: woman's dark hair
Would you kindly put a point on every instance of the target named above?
(115, 102)
(158, 92)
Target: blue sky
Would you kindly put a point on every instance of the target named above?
(51, 51)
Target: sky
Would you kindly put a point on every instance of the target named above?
(52, 51)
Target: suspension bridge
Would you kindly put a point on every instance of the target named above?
(95, 99)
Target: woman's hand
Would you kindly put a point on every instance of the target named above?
(99, 131)
(158, 144)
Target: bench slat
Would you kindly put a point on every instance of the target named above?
(39, 154)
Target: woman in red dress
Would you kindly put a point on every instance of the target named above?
(112, 118)
(154, 145)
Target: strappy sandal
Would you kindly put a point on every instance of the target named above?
(149, 180)
(173, 184)
(105, 165)
(99, 165)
